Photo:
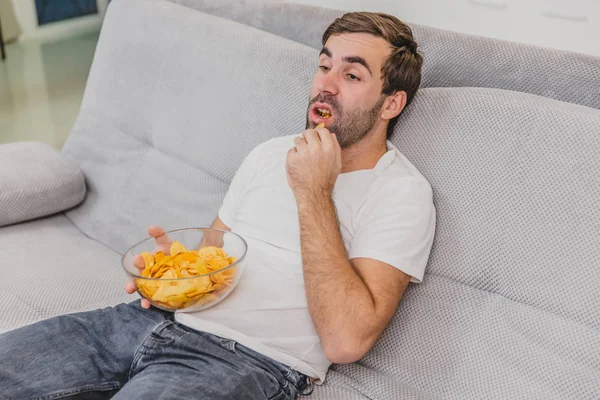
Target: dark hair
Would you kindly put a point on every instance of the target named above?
(402, 69)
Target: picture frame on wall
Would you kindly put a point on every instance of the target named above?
(49, 11)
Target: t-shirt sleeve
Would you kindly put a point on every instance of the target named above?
(238, 187)
(396, 225)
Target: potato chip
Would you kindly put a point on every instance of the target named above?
(159, 256)
(203, 284)
(185, 257)
(216, 264)
(169, 291)
(169, 274)
(148, 259)
(212, 252)
(176, 248)
(225, 277)
(201, 267)
(147, 288)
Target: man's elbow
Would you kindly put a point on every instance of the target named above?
(345, 351)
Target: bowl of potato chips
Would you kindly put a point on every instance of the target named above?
(194, 269)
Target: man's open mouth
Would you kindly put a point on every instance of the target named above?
(323, 113)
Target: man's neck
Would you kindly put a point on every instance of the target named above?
(364, 154)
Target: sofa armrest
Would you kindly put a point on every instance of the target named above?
(35, 181)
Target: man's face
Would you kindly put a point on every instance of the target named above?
(346, 90)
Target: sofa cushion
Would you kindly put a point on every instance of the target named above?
(167, 119)
(36, 181)
(49, 267)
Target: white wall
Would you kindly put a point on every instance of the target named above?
(27, 18)
(562, 24)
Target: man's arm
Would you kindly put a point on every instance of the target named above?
(218, 224)
(214, 238)
(350, 301)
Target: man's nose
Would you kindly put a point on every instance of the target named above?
(328, 83)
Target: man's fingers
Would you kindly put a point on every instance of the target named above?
(325, 136)
(312, 138)
(130, 287)
(155, 231)
(138, 262)
(300, 142)
(159, 235)
(163, 241)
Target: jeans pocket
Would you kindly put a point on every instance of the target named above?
(276, 376)
(285, 371)
(286, 392)
(164, 333)
(282, 390)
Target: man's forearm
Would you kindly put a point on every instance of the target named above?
(339, 302)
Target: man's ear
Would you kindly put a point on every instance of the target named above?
(393, 105)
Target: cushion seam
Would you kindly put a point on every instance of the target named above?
(45, 186)
(511, 300)
(151, 145)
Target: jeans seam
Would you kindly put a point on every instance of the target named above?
(288, 370)
(139, 352)
(86, 388)
(281, 392)
(232, 345)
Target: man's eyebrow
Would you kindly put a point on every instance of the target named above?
(358, 60)
(325, 51)
(350, 59)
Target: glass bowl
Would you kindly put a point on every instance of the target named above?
(197, 276)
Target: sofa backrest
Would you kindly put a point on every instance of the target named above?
(166, 119)
(517, 190)
(452, 59)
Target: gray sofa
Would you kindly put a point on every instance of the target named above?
(508, 135)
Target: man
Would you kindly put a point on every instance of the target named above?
(337, 222)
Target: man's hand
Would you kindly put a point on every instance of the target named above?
(314, 164)
(163, 243)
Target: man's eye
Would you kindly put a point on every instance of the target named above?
(324, 68)
(353, 77)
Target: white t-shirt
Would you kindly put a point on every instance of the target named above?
(385, 213)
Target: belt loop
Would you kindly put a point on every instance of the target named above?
(308, 389)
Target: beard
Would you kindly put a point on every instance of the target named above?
(349, 127)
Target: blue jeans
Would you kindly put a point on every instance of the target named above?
(127, 352)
